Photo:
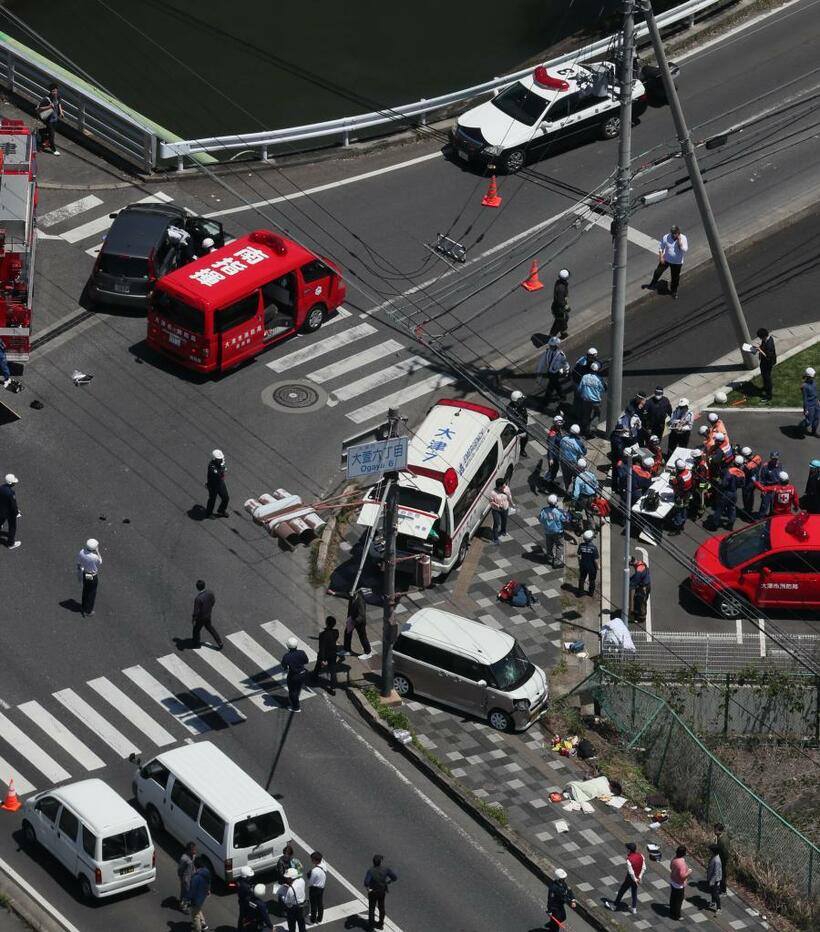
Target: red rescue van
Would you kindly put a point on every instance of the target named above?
(231, 304)
(771, 564)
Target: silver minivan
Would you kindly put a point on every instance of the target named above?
(470, 666)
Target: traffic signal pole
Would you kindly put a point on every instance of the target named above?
(391, 509)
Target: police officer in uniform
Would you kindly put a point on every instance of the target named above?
(517, 413)
(587, 563)
(215, 483)
(294, 663)
(8, 510)
(560, 305)
(559, 896)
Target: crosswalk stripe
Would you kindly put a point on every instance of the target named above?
(341, 314)
(356, 361)
(371, 382)
(101, 727)
(67, 211)
(312, 350)
(101, 224)
(253, 649)
(237, 678)
(8, 773)
(191, 680)
(168, 701)
(135, 714)
(32, 752)
(378, 409)
(68, 741)
(281, 633)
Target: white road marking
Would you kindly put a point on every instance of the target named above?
(340, 314)
(67, 211)
(253, 649)
(326, 187)
(135, 714)
(761, 623)
(357, 361)
(633, 235)
(9, 773)
(168, 701)
(192, 681)
(281, 633)
(312, 350)
(100, 224)
(38, 898)
(739, 630)
(32, 752)
(378, 409)
(371, 382)
(237, 678)
(55, 729)
(101, 727)
(342, 911)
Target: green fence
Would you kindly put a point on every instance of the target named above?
(693, 779)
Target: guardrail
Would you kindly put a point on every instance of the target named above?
(417, 113)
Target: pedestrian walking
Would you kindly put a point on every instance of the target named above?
(680, 426)
(204, 601)
(560, 305)
(294, 663)
(255, 916)
(517, 413)
(377, 882)
(767, 353)
(552, 368)
(672, 249)
(811, 406)
(89, 562)
(679, 873)
(559, 896)
(326, 654)
(640, 588)
(587, 563)
(5, 372)
(292, 896)
(590, 394)
(357, 621)
(501, 502)
(811, 500)
(50, 111)
(185, 871)
(554, 435)
(215, 483)
(570, 450)
(287, 860)
(635, 867)
(200, 890)
(9, 511)
(724, 852)
(714, 878)
(317, 880)
(553, 521)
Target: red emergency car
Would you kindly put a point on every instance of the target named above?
(770, 564)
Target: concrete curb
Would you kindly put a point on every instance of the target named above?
(512, 841)
(27, 909)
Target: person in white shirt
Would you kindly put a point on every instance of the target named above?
(671, 251)
(89, 562)
(292, 896)
(317, 878)
(500, 503)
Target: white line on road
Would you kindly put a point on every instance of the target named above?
(253, 649)
(343, 911)
(101, 727)
(739, 630)
(761, 623)
(67, 211)
(32, 752)
(9, 773)
(376, 379)
(237, 678)
(168, 701)
(55, 729)
(356, 361)
(633, 235)
(309, 352)
(340, 314)
(135, 714)
(38, 898)
(100, 224)
(378, 408)
(281, 633)
(203, 691)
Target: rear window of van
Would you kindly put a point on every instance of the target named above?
(125, 843)
(421, 501)
(249, 833)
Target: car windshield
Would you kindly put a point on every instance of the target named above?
(127, 266)
(513, 670)
(745, 545)
(520, 104)
(125, 843)
(256, 830)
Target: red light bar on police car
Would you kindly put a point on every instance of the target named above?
(266, 238)
(544, 79)
(486, 410)
(448, 478)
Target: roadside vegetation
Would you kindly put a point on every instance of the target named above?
(786, 379)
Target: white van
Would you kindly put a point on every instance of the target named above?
(93, 832)
(197, 793)
(470, 666)
(453, 461)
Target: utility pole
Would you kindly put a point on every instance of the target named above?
(623, 190)
(391, 508)
(629, 452)
(704, 207)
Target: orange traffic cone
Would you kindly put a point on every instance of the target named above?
(533, 283)
(11, 802)
(491, 198)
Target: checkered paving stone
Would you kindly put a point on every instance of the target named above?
(516, 771)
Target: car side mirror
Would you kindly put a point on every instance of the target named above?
(482, 684)
(545, 125)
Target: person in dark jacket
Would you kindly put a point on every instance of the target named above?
(559, 896)
(244, 891)
(640, 586)
(811, 405)
(768, 359)
(326, 654)
(254, 915)
(560, 305)
(5, 372)
(587, 563)
(50, 111)
(203, 608)
(724, 852)
(812, 500)
(215, 483)
(9, 512)
(287, 861)
(377, 882)
(185, 871)
(357, 621)
(656, 411)
(725, 507)
(517, 413)
(294, 663)
(200, 891)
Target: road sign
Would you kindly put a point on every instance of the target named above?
(372, 459)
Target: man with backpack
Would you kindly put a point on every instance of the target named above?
(553, 520)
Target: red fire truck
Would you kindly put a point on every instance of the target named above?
(18, 236)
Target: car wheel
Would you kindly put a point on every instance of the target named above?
(403, 686)
(86, 891)
(513, 161)
(611, 127)
(29, 835)
(499, 720)
(730, 604)
(462, 552)
(154, 820)
(314, 319)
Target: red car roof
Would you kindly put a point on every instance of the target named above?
(788, 532)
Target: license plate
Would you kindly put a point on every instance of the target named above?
(128, 870)
(463, 155)
(261, 853)
(122, 287)
(174, 340)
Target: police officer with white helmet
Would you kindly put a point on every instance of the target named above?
(89, 562)
(215, 484)
(517, 413)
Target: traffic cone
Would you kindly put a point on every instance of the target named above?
(491, 198)
(11, 802)
(533, 283)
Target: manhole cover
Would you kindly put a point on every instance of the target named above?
(294, 397)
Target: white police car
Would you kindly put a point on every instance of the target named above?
(531, 115)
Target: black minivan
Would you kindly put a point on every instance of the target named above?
(145, 242)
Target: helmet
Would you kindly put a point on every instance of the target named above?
(92, 544)
(654, 439)
(783, 476)
(815, 464)
(746, 451)
(809, 373)
(575, 429)
(680, 464)
(564, 273)
(291, 873)
(588, 535)
(218, 455)
(259, 890)
(595, 367)
(558, 419)
(11, 479)
(582, 463)
(720, 398)
(774, 455)
(516, 396)
(648, 461)
(553, 341)
(246, 871)
(658, 390)
(560, 873)
(208, 243)
(292, 643)
(703, 430)
(552, 500)
(719, 436)
(683, 403)
(739, 461)
(592, 351)
(713, 418)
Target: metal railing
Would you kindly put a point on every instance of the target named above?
(418, 113)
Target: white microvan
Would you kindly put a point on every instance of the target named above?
(453, 461)
(197, 793)
(93, 832)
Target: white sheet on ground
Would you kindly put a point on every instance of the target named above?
(584, 790)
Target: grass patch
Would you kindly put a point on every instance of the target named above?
(787, 377)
